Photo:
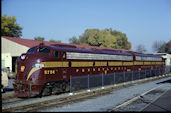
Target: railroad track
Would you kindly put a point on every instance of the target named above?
(56, 102)
(7, 96)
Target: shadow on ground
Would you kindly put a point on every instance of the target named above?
(166, 81)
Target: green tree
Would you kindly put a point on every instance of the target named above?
(103, 38)
(74, 40)
(39, 38)
(57, 41)
(122, 40)
(9, 27)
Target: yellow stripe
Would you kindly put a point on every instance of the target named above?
(32, 71)
(138, 63)
(97, 63)
(81, 64)
(153, 62)
(115, 63)
(55, 64)
(147, 63)
(127, 63)
(100, 63)
(128, 70)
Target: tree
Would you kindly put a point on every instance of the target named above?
(9, 27)
(57, 41)
(141, 48)
(74, 40)
(39, 38)
(165, 48)
(161, 47)
(121, 40)
(103, 38)
(157, 46)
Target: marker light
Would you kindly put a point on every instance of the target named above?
(22, 68)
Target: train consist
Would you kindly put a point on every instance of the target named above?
(46, 69)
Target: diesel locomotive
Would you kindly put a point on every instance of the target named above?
(46, 69)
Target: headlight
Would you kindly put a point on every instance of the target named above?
(23, 57)
(38, 65)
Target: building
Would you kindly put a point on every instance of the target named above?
(12, 47)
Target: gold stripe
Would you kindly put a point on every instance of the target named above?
(127, 63)
(81, 64)
(100, 63)
(32, 71)
(138, 63)
(128, 70)
(97, 63)
(147, 63)
(153, 62)
(55, 64)
(115, 63)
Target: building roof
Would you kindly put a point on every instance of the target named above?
(27, 42)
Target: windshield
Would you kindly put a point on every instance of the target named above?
(43, 50)
(31, 50)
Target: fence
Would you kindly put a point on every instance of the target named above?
(92, 81)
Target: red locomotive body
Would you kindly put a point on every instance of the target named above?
(46, 69)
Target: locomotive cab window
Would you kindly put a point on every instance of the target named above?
(43, 50)
(31, 50)
(56, 54)
(63, 55)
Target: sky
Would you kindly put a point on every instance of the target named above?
(143, 21)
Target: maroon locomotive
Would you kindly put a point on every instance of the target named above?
(46, 69)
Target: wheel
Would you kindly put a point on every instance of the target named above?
(46, 91)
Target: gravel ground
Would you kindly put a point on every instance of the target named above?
(140, 103)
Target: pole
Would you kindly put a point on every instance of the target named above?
(70, 83)
(88, 82)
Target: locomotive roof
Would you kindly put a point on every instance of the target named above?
(85, 50)
(146, 55)
(97, 50)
